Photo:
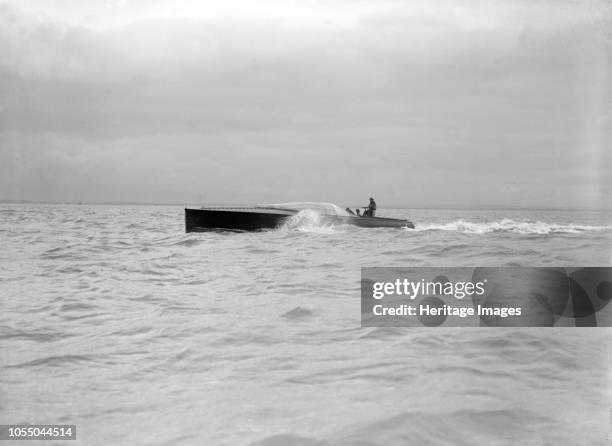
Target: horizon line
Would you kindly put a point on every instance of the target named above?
(217, 203)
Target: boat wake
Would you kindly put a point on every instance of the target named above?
(309, 220)
(508, 225)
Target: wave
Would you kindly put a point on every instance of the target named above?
(189, 242)
(34, 335)
(509, 225)
(309, 220)
(298, 313)
(54, 361)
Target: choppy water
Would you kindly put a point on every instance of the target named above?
(117, 321)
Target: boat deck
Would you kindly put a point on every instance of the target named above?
(250, 209)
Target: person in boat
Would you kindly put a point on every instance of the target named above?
(370, 211)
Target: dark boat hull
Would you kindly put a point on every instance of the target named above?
(234, 219)
(256, 219)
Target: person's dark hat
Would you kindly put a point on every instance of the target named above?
(371, 198)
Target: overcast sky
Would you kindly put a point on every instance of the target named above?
(417, 103)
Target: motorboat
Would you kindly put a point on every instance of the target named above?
(271, 216)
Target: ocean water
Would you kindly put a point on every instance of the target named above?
(117, 321)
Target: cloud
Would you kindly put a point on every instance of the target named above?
(295, 100)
